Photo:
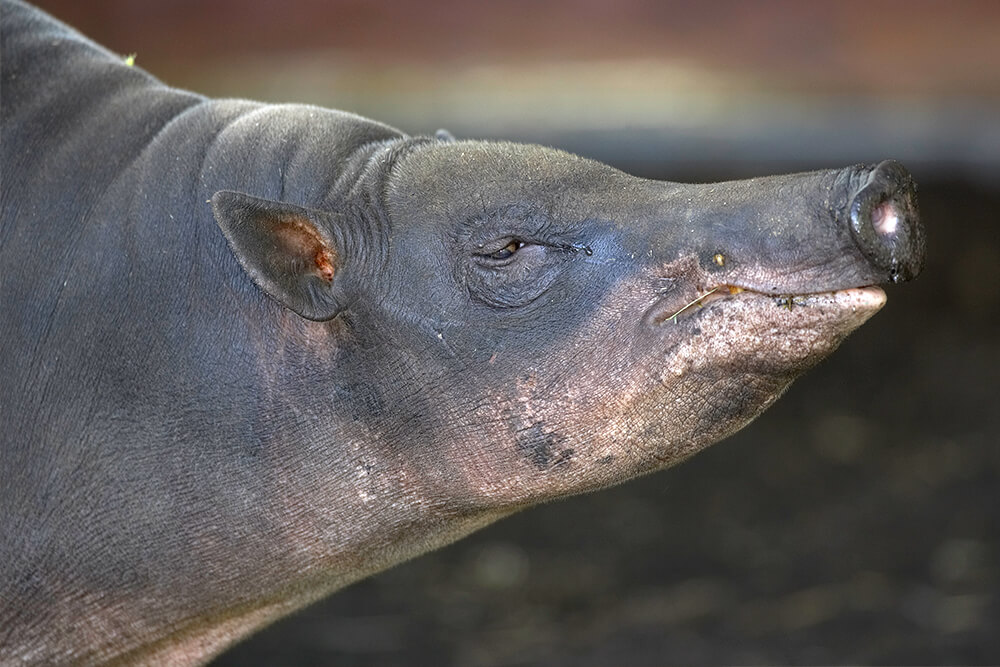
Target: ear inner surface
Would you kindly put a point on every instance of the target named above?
(298, 238)
(285, 249)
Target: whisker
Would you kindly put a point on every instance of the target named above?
(692, 303)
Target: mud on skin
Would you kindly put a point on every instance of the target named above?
(364, 347)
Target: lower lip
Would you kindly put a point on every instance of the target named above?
(854, 299)
(861, 297)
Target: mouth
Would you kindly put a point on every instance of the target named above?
(865, 300)
(757, 334)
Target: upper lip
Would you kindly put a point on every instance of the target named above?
(726, 290)
(713, 294)
(696, 301)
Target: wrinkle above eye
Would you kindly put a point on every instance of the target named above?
(507, 222)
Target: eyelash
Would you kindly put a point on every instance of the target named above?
(509, 250)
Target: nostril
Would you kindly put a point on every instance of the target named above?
(885, 218)
(885, 223)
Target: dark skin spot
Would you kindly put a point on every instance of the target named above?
(363, 400)
(541, 448)
(564, 457)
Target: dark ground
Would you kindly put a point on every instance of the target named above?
(858, 521)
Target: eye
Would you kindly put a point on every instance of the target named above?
(507, 251)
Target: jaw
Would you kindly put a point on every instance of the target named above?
(740, 329)
(719, 364)
(729, 357)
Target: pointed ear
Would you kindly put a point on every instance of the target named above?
(286, 249)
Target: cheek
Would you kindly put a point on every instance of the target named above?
(564, 411)
(534, 419)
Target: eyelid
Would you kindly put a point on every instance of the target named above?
(508, 250)
(503, 253)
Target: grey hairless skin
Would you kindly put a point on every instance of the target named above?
(253, 353)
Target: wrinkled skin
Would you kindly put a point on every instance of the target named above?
(568, 348)
(365, 347)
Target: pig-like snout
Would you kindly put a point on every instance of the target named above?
(885, 221)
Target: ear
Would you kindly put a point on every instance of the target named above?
(286, 250)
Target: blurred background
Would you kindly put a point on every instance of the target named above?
(858, 521)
